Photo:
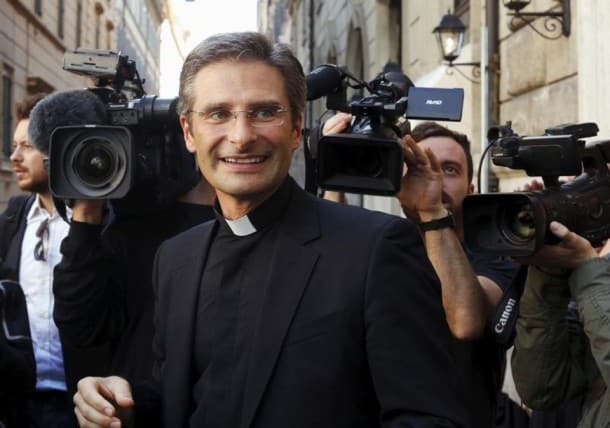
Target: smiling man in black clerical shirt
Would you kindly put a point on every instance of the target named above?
(286, 310)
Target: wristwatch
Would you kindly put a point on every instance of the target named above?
(438, 223)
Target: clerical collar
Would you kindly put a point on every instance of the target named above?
(262, 216)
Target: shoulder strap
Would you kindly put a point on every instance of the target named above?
(502, 325)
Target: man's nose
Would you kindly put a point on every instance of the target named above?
(15, 155)
(241, 130)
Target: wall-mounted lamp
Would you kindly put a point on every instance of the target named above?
(450, 36)
(551, 23)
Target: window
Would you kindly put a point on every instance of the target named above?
(460, 7)
(395, 30)
(38, 7)
(109, 33)
(99, 10)
(79, 23)
(7, 103)
(60, 18)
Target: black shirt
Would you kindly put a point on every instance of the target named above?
(483, 359)
(230, 299)
(103, 291)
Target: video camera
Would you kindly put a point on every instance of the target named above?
(138, 159)
(367, 157)
(516, 224)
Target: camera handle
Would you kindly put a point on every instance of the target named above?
(311, 137)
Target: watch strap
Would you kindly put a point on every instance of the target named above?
(438, 223)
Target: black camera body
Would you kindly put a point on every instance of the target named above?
(138, 159)
(516, 224)
(367, 157)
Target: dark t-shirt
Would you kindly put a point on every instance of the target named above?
(103, 290)
(483, 359)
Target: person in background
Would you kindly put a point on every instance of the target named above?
(438, 178)
(30, 256)
(562, 347)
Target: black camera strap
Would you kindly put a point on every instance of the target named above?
(310, 150)
(502, 325)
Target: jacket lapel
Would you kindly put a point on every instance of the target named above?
(180, 331)
(291, 269)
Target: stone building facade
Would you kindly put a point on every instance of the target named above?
(35, 36)
(534, 82)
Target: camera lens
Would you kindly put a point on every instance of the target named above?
(364, 161)
(518, 223)
(96, 163)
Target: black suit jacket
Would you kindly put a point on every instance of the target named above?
(352, 332)
(76, 360)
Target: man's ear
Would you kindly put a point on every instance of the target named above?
(470, 189)
(188, 135)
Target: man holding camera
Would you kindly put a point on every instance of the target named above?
(553, 360)
(286, 310)
(31, 231)
(102, 285)
(438, 179)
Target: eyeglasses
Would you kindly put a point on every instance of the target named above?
(39, 252)
(259, 117)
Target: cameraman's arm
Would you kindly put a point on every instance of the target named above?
(589, 285)
(89, 304)
(467, 298)
(544, 370)
(546, 362)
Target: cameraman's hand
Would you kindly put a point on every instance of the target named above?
(103, 402)
(421, 188)
(605, 249)
(88, 210)
(531, 186)
(336, 124)
(572, 250)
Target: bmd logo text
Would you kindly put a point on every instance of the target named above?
(434, 102)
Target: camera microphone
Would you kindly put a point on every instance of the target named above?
(72, 107)
(323, 80)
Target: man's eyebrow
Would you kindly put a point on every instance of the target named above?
(16, 143)
(265, 103)
(215, 106)
(227, 106)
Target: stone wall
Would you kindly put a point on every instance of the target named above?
(541, 83)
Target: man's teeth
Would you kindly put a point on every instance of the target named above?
(257, 159)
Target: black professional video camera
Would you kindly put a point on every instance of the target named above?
(138, 158)
(516, 224)
(367, 157)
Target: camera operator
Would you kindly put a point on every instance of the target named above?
(17, 364)
(555, 360)
(31, 230)
(102, 286)
(437, 181)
